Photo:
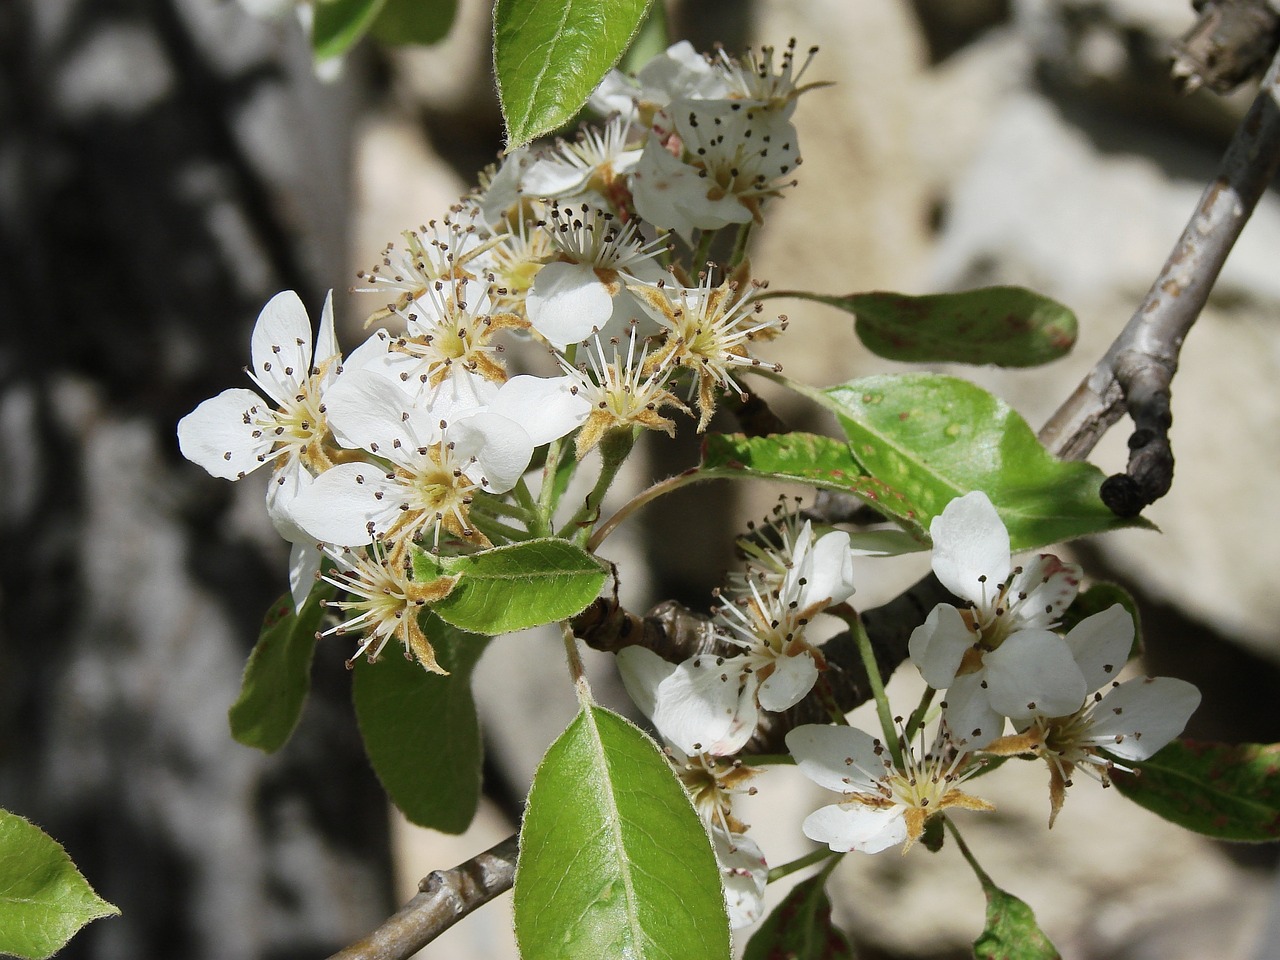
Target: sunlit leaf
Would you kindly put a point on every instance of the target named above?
(614, 862)
(1011, 931)
(44, 899)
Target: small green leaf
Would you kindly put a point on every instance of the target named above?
(934, 438)
(420, 728)
(549, 55)
(1011, 931)
(44, 899)
(807, 458)
(1007, 326)
(338, 24)
(1226, 791)
(614, 861)
(414, 21)
(800, 928)
(516, 586)
(277, 677)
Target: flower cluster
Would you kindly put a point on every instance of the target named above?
(421, 437)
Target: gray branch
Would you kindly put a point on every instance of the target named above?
(444, 897)
(1137, 370)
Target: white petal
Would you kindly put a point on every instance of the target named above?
(1033, 672)
(970, 541)
(567, 301)
(546, 407)
(501, 447)
(827, 571)
(216, 436)
(843, 759)
(304, 565)
(792, 678)
(939, 644)
(281, 346)
(642, 671)
(1100, 645)
(745, 873)
(367, 411)
(327, 337)
(343, 505)
(287, 484)
(853, 826)
(377, 345)
(698, 705)
(1050, 586)
(1139, 717)
(969, 715)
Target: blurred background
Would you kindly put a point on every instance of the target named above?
(168, 165)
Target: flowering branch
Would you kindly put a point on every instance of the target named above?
(444, 897)
(1136, 372)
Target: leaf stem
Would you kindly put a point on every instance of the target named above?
(963, 847)
(808, 860)
(648, 495)
(703, 250)
(576, 669)
(868, 656)
(614, 450)
(916, 720)
(740, 244)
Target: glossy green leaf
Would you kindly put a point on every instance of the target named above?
(1226, 791)
(934, 438)
(549, 55)
(44, 899)
(420, 728)
(277, 677)
(414, 21)
(516, 586)
(1007, 326)
(800, 928)
(338, 24)
(1011, 931)
(806, 458)
(614, 861)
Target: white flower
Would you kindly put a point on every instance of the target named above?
(996, 658)
(596, 164)
(744, 872)
(883, 805)
(585, 284)
(678, 72)
(752, 77)
(711, 704)
(236, 432)
(1131, 720)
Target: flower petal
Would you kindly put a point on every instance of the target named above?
(969, 715)
(792, 678)
(281, 346)
(970, 541)
(939, 644)
(1033, 672)
(1050, 585)
(827, 570)
(501, 447)
(1100, 645)
(326, 337)
(699, 706)
(1139, 717)
(348, 505)
(547, 407)
(642, 671)
(853, 826)
(222, 434)
(568, 301)
(745, 873)
(843, 759)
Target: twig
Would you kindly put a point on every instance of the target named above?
(1138, 368)
(444, 898)
(1231, 42)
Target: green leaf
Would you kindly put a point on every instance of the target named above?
(1011, 931)
(420, 728)
(800, 927)
(338, 24)
(44, 899)
(807, 458)
(515, 586)
(614, 861)
(414, 21)
(277, 677)
(934, 438)
(549, 55)
(1226, 791)
(1007, 326)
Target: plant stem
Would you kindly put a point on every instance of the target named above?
(916, 720)
(808, 860)
(614, 450)
(668, 485)
(702, 251)
(963, 847)
(576, 669)
(868, 656)
(740, 244)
